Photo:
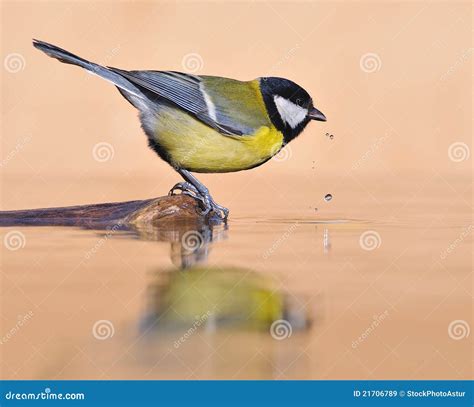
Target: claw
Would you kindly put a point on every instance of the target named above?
(185, 188)
(205, 199)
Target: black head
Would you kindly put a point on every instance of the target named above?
(290, 107)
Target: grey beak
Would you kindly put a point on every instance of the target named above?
(315, 114)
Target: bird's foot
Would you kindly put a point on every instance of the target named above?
(210, 205)
(186, 188)
(205, 199)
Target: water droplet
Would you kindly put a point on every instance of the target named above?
(328, 197)
(331, 136)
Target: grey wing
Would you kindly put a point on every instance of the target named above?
(183, 90)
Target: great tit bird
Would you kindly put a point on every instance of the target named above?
(207, 124)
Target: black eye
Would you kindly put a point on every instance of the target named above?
(300, 102)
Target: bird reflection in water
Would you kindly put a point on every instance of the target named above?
(218, 315)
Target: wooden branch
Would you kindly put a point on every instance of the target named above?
(162, 211)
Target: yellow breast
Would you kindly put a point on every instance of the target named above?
(196, 147)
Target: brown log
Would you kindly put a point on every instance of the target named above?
(163, 211)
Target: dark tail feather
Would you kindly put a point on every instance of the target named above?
(68, 58)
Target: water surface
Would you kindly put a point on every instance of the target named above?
(311, 295)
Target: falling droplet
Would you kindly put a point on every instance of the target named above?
(331, 136)
(328, 197)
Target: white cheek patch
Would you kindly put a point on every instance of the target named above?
(290, 112)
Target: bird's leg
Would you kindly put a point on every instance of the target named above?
(203, 195)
